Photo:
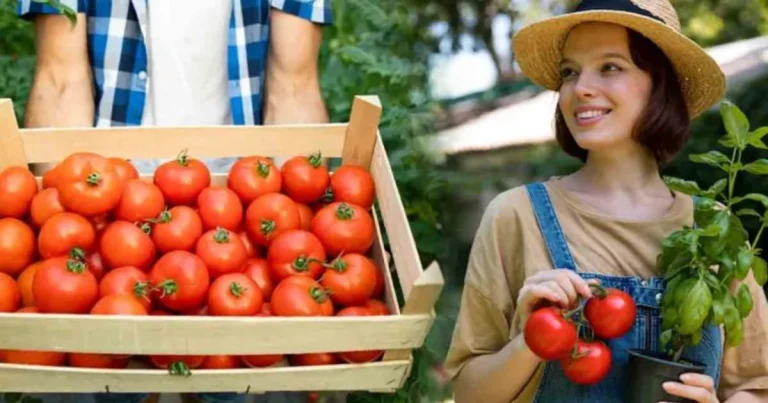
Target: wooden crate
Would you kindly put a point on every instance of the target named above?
(355, 142)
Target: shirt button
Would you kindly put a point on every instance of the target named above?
(142, 75)
(644, 283)
(658, 298)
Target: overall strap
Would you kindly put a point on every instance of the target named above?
(550, 227)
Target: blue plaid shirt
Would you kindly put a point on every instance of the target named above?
(119, 56)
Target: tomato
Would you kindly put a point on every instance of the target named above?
(353, 184)
(258, 270)
(64, 285)
(124, 169)
(88, 184)
(102, 361)
(140, 201)
(125, 244)
(168, 361)
(252, 177)
(65, 231)
(45, 205)
(350, 279)
(591, 365)
(182, 179)
(610, 313)
(378, 290)
(17, 189)
(234, 294)
(118, 304)
(305, 178)
(181, 280)
(127, 280)
(222, 252)
(359, 356)
(47, 358)
(10, 294)
(269, 216)
(549, 334)
(220, 207)
(51, 177)
(265, 310)
(377, 307)
(25, 284)
(177, 229)
(344, 227)
(96, 265)
(100, 223)
(17, 246)
(311, 359)
(300, 296)
(296, 253)
(202, 311)
(250, 249)
(305, 216)
(220, 362)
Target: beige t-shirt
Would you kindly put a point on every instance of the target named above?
(509, 247)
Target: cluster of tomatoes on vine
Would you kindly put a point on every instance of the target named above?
(98, 239)
(575, 338)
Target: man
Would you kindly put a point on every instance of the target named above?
(163, 62)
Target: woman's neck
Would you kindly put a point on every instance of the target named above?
(633, 173)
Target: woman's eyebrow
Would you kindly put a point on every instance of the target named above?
(607, 55)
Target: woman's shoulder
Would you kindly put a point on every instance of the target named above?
(509, 204)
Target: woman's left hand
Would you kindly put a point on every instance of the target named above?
(700, 388)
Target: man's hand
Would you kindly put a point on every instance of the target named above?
(700, 388)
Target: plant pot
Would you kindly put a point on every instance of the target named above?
(648, 370)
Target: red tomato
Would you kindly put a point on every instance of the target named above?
(220, 207)
(549, 334)
(234, 294)
(250, 249)
(140, 201)
(64, 285)
(252, 177)
(377, 307)
(222, 252)
(51, 177)
(344, 227)
(45, 205)
(305, 216)
(119, 304)
(127, 280)
(353, 184)
(258, 270)
(220, 362)
(269, 216)
(25, 284)
(95, 265)
(65, 231)
(102, 361)
(591, 365)
(296, 253)
(350, 279)
(47, 358)
(305, 179)
(167, 361)
(359, 356)
(88, 184)
(10, 294)
(17, 246)
(300, 296)
(311, 359)
(100, 223)
(265, 310)
(177, 229)
(125, 244)
(124, 169)
(181, 280)
(378, 290)
(182, 179)
(610, 313)
(17, 189)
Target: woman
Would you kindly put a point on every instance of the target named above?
(629, 83)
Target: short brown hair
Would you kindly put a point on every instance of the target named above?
(664, 125)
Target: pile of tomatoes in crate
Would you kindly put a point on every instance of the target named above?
(98, 240)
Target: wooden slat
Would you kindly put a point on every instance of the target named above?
(425, 292)
(385, 376)
(381, 258)
(200, 335)
(361, 131)
(45, 145)
(11, 146)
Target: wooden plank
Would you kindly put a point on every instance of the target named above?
(381, 258)
(207, 335)
(361, 131)
(45, 145)
(425, 292)
(11, 145)
(385, 376)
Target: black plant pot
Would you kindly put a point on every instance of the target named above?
(649, 370)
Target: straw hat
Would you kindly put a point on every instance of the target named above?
(538, 46)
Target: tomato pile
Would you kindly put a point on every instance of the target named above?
(98, 240)
(555, 334)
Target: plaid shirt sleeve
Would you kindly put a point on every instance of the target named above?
(28, 8)
(318, 11)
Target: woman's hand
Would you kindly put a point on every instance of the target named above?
(700, 388)
(561, 286)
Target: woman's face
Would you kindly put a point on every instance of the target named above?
(603, 92)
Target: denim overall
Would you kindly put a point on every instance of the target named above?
(554, 386)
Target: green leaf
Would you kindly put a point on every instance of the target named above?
(12, 397)
(683, 186)
(760, 270)
(669, 318)
(744, 300)
(759, 167)
(711, 280)
(695, 307)
(748, 212)
(755, 138)
(744, 263)
(734, 326)
(665, 338)
(752, 196)
(736, 123)
(717, 188)
(718, 310)
(714, 158)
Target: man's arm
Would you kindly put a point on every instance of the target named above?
(292, 93)
(62, 89)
